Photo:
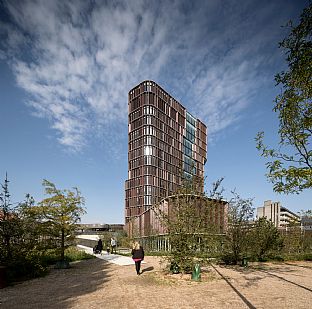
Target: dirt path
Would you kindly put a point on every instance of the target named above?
(272, 285)
(99, 284)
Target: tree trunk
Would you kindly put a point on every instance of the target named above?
(62, 245)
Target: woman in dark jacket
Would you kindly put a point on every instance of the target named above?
(100, 246)
(137, 256)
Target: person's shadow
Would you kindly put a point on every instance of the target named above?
(147, 269)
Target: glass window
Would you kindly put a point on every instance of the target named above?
(147, 150)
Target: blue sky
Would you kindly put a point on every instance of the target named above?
(66, 68)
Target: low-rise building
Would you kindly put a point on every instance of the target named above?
(98, 228)
(151, 222)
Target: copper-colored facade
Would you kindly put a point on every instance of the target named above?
(165, 143)
(212, 212)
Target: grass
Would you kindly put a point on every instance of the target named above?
(71, 254)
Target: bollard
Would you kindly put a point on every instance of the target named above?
(174, 268)
(244, 262)
(196, 273)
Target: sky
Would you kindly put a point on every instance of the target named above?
(66, 68)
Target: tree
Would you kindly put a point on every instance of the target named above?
(264, 238)
(34, 233)
(306, 222)
(10, 225)
(189, 224)
(59, 213)
(290, 170)
(239, 215)
(306, 213)
(19, 239)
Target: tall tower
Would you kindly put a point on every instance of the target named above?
(165, 141)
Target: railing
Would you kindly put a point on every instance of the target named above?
(157, 243)
(161, 243)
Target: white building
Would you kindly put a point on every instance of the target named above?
(279, 215)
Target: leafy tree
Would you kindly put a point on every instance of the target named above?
(188, 222)
(290, 170)
(264, 238)
(292, 238)
(306, 213)
(306, 220)
(9, 224)
(34, 232)
(19, 250)
(59, 214)
(237, 237)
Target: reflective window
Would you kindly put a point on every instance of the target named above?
(147, 150)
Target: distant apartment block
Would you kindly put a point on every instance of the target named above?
(165, 144)
(279, 215)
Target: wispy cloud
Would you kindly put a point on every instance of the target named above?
(77, 59)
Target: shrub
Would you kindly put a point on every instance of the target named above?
(74, 254)
(229, 259)
(71, 254)
(308, 257)
(25, 267)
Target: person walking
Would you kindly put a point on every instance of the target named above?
(100, 246)
(137, 256)
(113, 244)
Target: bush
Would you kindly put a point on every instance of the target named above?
(71, 254)
(74, 254)
(308, 257)
(179, 264)
(278, 258)
(25, 267)
(294, 257)
(229, 259)
(33, 264)
(263, 259)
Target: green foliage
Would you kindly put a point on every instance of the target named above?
(291, 168)
(298, 240)
(23, 267)
(28, 231)
(9, 224)
(106, 238)
(298, 257)
(306, 217)
(58, 215)
(307, 257)
(32, 264)
(238, 235)
(19, 243)
(183, 228)
(71, 254)
(264, 238)
(121, 237)
(306, 213)
(188, 225)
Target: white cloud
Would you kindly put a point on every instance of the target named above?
(78, 59)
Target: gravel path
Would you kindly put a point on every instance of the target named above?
(99, 284)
